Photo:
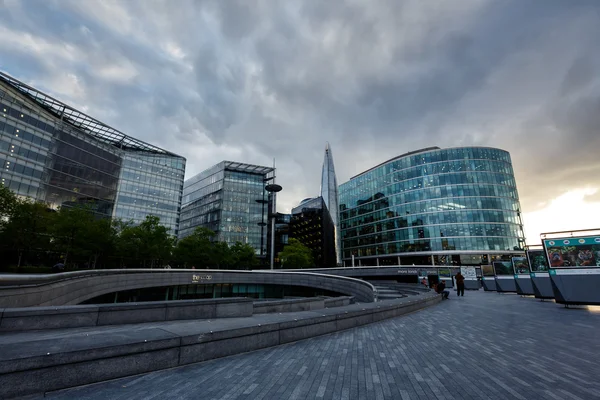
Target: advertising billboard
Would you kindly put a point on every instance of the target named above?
(573, 252)
(502, 268)
(469, 273)
(538, 262)
(520, 265)
(487, 270)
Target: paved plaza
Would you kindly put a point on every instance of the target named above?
(481, 346)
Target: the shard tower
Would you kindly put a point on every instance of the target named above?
(329, 192)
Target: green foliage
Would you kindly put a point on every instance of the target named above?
(195, 250)
(33, 238)
(200, 250)
(26, 228)
(8, 200)
(243, 256)
(296, 255)
(149, 242)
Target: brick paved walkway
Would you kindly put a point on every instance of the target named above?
(482, 346)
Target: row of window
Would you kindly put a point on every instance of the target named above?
(431, 170)
(438, 218)
(190, 196)
(441, 232)
(355, 197)
(381, 201)
(146, 203)
(162, 170)
(450, 244)
(147, 190)
(20, 168)
(464, 153)
(28, 189)
(151, 180)
(18, 132)
(440, 205)
(24, 117)
(21, 151)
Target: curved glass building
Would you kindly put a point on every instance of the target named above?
(457, 206)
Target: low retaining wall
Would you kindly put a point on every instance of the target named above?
(47, 364)
(305, 304)
(338, 301)
(72, 288)
(37, 318)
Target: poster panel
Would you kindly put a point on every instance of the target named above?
(537, 261)
(573, 252)
(469, 273)
(520, 265)
(487, 270)
(444, 272)
(503, 268)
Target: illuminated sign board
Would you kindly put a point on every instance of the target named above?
(538, 262)
(573, 252)
(520, 265)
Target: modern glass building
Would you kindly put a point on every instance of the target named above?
(329, 193)
(230, 199)
(312, 225)
(457, 206)
(53, 153)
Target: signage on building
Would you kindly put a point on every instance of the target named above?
(200, 278)
(410, 271)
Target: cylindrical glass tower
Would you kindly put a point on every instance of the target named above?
(435, 206)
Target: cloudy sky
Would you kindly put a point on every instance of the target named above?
(249, 80)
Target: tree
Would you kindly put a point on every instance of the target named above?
(71, 234)
(296, 255)
(195, 249)
(243, 256)
(27, 227)
(8, 200)
(148, 241)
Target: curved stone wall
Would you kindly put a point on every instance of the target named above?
(72, 288)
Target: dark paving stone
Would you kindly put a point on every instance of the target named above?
(481, 346)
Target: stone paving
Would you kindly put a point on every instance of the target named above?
(481, 346)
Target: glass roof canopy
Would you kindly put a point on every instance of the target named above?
(79, 120)
(247, 168)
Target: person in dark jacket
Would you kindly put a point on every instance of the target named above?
(441, 289)
(460, 284)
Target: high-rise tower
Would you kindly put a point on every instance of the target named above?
(329, 192)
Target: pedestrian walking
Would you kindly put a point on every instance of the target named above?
(460, 284)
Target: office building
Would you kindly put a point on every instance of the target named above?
(54, 153)
(312, 225)
(230, 199)
(457, 206)
(329, 193)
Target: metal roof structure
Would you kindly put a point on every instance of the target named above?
(81, 121)
(247, 168)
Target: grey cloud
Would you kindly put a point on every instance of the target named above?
(265, 79)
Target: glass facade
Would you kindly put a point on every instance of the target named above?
(52, 153)
(228, 199)
(312, 225)
(433, 202)
(329, 193)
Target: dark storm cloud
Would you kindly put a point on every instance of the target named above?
(253, 80)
